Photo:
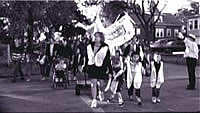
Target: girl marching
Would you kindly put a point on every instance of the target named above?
(134, 74)
(157, 77)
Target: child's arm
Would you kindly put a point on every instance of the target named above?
(118, 74)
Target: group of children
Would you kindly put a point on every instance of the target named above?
(133, 69)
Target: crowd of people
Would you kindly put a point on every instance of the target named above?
(129, 64)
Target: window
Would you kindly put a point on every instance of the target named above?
(196, 24)
(169, 32)
(159, 32)
(138, 31)
(190, 25)
(175, 32)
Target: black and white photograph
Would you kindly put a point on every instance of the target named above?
(99, 56)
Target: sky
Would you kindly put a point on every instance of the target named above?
(171, 7)
(174, 5)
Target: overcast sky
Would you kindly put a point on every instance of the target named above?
(174, 5)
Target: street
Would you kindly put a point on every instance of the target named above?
(38, 96)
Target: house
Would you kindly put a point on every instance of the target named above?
(193, 26)
(167, 27)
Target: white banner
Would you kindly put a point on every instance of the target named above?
(120, 32)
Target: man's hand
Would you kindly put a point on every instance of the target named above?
(180, 35)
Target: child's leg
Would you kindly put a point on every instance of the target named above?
(154, 94)
(94, 92)
(157, 92)
(137, 93)
(101, 89)
(120, 99)
(157, 95)
(130, 92)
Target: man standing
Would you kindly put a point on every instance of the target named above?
(191, 55)
(17, 58)
(50, 53)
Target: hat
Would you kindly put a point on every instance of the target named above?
(192, 36)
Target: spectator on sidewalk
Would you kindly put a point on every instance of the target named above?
(18, 56)
(157, 77)
(42, 60)
(191, 55)
(51, 52)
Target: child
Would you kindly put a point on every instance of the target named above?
(157, 77)
(117, 79)
(60, 69)
(134, 75)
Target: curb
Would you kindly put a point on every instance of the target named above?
(176, 60)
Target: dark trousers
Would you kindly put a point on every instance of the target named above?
(17, 69)
(28, 69)
(191, 65)
(75, 65)
(48, 66)
(42, 70)
(155, 92)
(119, 87)
(130, 91)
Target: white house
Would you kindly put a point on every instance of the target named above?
(193, 26)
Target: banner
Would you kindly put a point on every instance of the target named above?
(120, 32)
(116, 34)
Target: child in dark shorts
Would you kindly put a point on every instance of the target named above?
(117, 79)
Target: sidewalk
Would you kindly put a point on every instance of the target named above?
(178, 59)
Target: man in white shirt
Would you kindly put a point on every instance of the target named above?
(191, 55)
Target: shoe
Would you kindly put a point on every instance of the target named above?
(139, 100)
(157, 100)
(110, 100)
(43, 78)
(101, 96)
(139, 103)
(190, 87)
(153, 100)
(121, 104)
(28, 80)
(94, 103)
(131, 98)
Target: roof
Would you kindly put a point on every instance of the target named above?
(135, 19)
(168, 19)
(194, 16)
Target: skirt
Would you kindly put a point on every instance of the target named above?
(95, 72)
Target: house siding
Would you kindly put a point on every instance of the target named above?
(194, 31)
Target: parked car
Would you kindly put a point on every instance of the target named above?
(168, 45)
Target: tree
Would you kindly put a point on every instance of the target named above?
(195, 7)
(147, 21)
(23, 14)
(183, 13)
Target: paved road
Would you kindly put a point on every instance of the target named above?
(37, 96)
